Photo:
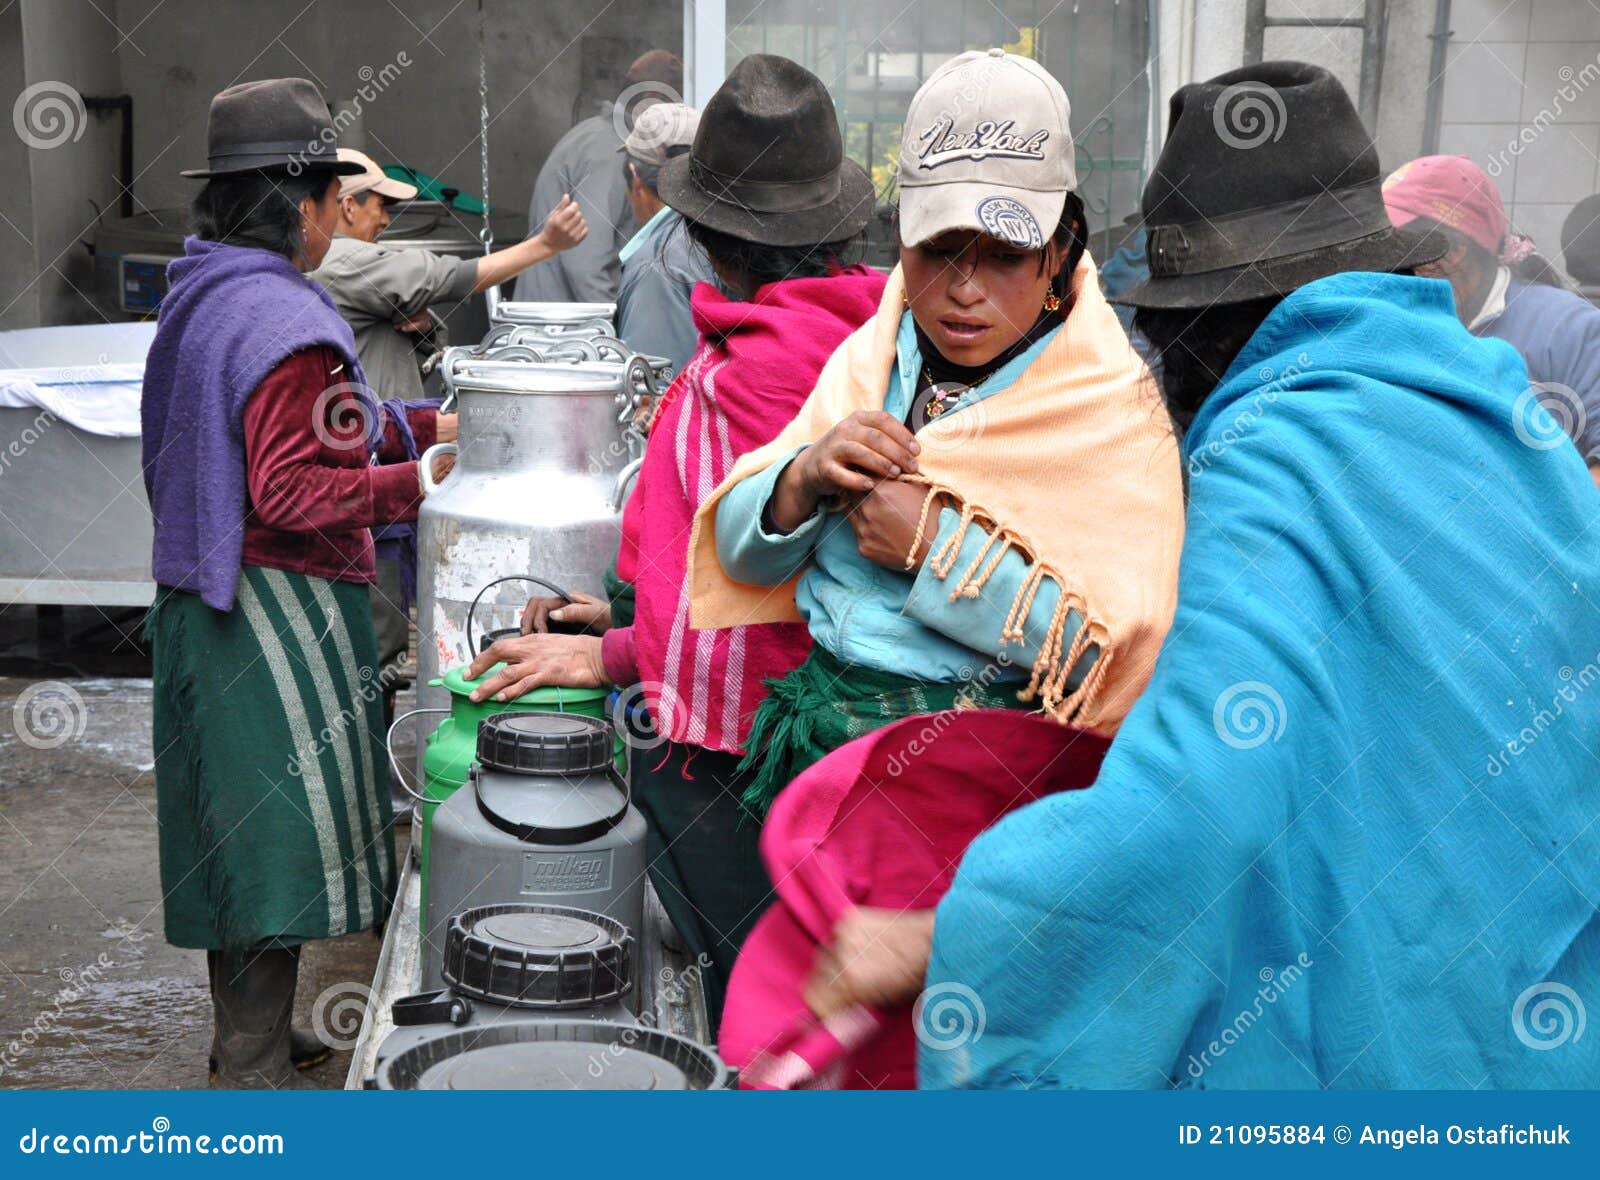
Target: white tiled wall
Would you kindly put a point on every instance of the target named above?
(1510, 61)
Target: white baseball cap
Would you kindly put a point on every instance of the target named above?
(986, 147)
(372, 179)
(660, 131)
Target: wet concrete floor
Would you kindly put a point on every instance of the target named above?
(91, 995)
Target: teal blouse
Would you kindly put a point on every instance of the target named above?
(886, 619)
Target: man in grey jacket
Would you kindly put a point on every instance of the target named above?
(661, 264)
(584, 163)
(384, 293)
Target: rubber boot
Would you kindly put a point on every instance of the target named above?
(252, 997)
(306, 1049)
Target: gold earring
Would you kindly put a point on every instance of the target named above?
(1052, 302)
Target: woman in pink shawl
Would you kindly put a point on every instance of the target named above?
(767, 192)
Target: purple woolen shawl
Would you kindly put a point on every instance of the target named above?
(231, 315)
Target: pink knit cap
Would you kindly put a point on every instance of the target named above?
(1452, 191)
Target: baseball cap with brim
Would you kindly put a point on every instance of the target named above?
(371, 179)
(987, 147)
(1450, 191)
(661, 131)
(277, 124)
(768, 163)
(1268, 181)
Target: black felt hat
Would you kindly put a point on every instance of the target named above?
(277, 123)
(768, 164)
(1268, 180)
(1580, 241)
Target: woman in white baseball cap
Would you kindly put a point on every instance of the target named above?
(979, 505)
(983, 475)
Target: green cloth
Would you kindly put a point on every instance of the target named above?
(824, 703)
(621, 596)
(268, 740)
(431, 188)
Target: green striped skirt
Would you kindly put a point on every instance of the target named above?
(268, 743)
(824, 703)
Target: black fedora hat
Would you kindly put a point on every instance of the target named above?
(768, 164)
(1268, 180)
(277, 123)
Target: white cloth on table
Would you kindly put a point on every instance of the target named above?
(99, 399)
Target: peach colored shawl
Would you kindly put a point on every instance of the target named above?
(1075, 466)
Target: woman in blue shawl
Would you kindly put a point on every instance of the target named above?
(1348, 836)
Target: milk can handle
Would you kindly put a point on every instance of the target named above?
(429, 484)
(624, 477)
(388, 748)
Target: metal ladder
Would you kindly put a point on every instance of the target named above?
(1374, 26)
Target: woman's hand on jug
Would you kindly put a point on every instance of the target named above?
(443, 464)
(532, 661)
(584, 611)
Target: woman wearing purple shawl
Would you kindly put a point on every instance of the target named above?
(266, 467)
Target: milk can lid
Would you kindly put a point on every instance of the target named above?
(544, 743)
(538, 956)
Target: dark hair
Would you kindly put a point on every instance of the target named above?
(1191, 348)
(1075, 241)
(758, 263)
(1532, 269)
(259, 209)
(661, 66)
(649, 174)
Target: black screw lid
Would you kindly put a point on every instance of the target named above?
(544, 743)
(538, 956)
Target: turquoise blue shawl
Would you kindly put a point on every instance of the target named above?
(1350, 835)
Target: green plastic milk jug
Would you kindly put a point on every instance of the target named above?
(451, 748)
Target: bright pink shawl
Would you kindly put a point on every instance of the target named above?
(882, 821)
(756, 365)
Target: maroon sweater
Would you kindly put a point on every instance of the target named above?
(313, 492)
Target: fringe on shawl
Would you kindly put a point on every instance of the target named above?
(1056, 658)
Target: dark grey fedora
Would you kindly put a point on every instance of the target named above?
(1268, 180)
(277, 123)
(768, 164)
